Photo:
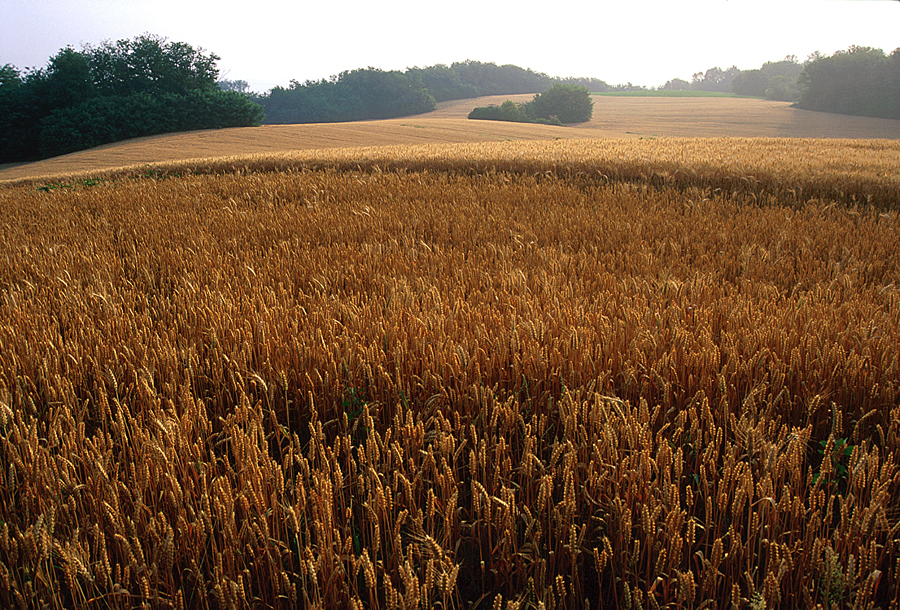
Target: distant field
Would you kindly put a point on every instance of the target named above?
(614, 117)
(664, 93)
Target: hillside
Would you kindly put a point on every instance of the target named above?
(614, 117)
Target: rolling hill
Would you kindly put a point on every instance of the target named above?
(614, 117)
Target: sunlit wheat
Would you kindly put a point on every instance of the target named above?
(647, 374)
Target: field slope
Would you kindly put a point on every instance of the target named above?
(562, 374)
(614, 117)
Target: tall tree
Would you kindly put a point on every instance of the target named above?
(118, 90)
(151, 64)
(714, 79)
(9, 77)
(860, 80)
(568, 103)
(68, 78)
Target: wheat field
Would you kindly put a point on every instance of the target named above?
(564, 374)
(614, 117)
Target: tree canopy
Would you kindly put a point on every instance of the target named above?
(568, 103)
(151, 64)
(774, 80)
(861, 81)
(113, 91)
(371, 93)
(356, 95)
(375, 94)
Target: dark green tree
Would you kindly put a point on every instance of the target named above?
(357, 95)
(151, 64)
(568, 103)
(860, 81)
(68, 79)
(782, 88)
(715, 79)
(115, 91)
(560, 104)
(782, 78)
(385, 94)
(371, 93)
(507, 111)
(594, 85)
(443, 82)
(752, 83)
(25, 99)
(491, 79)
(9, 77)
(101, 120)
(892, 79)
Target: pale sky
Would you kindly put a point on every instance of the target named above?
(268, 43)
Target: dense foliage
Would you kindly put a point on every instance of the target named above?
(775, 80)
(101, 120)
(356, 95)
(558, 105)
(474, 79)
(102, 94)
(509, 111)
(371, 93)
(860, 80)
(568, 103)
(149, 85)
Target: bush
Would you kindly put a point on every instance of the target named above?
(507, 111)
(558, 105)
(569, 103)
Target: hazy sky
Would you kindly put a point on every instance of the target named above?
(268, 43)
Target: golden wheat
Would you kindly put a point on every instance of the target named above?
(627, 374)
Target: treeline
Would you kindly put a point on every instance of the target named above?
(119, 90)
(357, 95)
(148, 86)
(370, 93)
(468, 79)
(775, 80)
(861, 81)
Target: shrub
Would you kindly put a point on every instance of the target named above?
(507, 111)
(558, 105)
(569, 103)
